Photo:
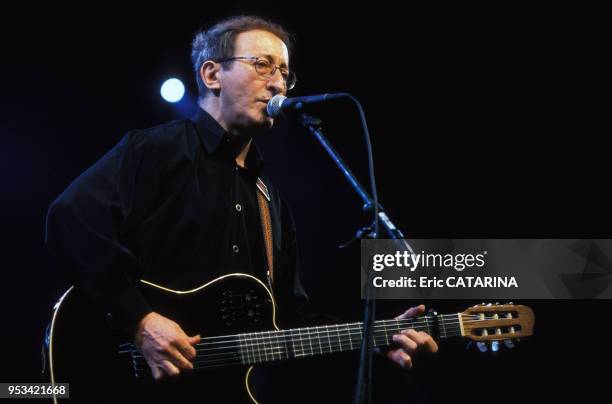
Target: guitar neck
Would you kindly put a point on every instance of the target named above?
(478, 323)
(315, 341)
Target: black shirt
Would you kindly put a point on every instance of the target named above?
(169, 204)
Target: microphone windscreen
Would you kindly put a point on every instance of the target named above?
(274, 106)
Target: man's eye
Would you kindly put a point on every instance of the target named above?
(262, 64)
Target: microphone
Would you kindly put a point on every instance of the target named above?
(280, 104)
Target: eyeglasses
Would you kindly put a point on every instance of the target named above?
(266, 69)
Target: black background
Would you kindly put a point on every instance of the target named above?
(487, 120)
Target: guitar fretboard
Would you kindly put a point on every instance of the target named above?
(311, 341)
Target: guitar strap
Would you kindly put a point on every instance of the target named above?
(263, 199)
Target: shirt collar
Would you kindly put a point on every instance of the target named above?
(214, 139)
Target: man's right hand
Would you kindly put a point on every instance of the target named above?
(165, 346)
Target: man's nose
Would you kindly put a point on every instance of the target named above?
(277, 83)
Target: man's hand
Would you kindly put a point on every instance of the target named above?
(411, 341)
(165, 346)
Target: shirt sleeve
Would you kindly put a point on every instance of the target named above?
(87, 222)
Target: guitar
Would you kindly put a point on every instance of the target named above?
(236, 316)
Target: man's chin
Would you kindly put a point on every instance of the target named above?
(269, 122)
(255, 127)
(265, 122)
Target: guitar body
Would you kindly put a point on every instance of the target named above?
(83, 351)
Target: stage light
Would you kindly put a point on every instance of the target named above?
(172, 90)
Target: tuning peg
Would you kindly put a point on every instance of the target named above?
(508, 343)
(494, 346)
(482, 346)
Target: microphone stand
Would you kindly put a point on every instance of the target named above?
(364, 379)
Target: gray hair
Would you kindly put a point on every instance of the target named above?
(218, 41)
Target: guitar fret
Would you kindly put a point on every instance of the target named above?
(348, 330)
(242, 360)
(310, 341)
(291, 335)
(256, 350)
(386, 334)
(280, 345)
(338, 336)
(443, 326)
(319, 332)
(278, 350)
(262, 352)
(256, 346)
(246, 348)
(397, 324)
(268, 340)
(287, 352)
(251, 345)
(250, 352)
(265, 348)
(361, 336)
(301, 352)
(301, 342)
(273, 347)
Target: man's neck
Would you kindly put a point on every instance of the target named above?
(240, 143)
(241, 157)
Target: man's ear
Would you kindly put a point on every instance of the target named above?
(209, 73)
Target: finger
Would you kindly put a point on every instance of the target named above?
(155, 371)
(412, 312)
(177, 358)
(406, 360)
(416, 336)
(430, 343)
(422, 339)
(406, 343)
(169, 368)
(195, 339)
(185, 348)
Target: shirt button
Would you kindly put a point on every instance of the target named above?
(235, 248)
(238, 207)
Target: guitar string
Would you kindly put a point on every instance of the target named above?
(263, 341)
(278, 353)
(302, 334)
(281, 351)
(378, 322)
(323, 330)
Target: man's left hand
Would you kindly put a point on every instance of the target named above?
(411, 341)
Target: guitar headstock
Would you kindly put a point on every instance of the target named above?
(497, 322)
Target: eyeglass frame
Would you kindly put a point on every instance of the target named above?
(255, 59)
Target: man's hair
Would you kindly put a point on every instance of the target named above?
(218, 41)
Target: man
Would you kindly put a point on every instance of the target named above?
(177, 204)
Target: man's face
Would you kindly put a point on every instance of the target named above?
(244, 93)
